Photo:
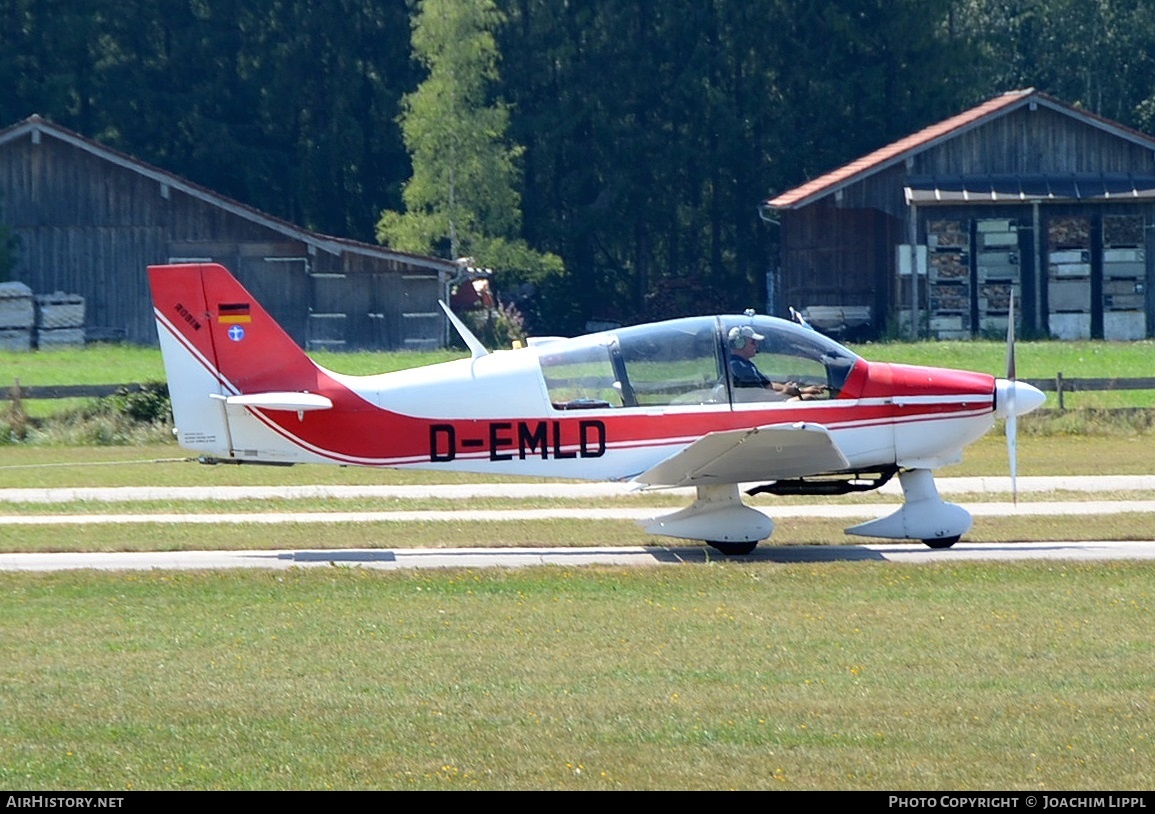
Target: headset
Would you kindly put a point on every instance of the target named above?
(738, 336)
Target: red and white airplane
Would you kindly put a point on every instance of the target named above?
(670, 404)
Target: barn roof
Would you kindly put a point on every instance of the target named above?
(935, 134)
(35, 127)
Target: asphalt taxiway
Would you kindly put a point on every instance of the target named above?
(393, 559)
(402, 559)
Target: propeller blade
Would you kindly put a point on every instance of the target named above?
(1012, 454)
(1011, 338)
(1012, 418)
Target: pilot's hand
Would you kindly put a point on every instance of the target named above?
(814, 391)
(793, 390)
(788, 389)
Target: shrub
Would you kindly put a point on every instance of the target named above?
(128, 417)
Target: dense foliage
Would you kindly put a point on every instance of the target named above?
(643, 134)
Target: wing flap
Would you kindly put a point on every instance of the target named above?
(772, 452)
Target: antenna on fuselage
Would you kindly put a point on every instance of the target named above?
(476, 349)
(801, 320)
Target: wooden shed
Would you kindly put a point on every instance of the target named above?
(89, 220)
(929, 235)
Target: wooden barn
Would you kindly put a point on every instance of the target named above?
(89, 220)
(929, 235)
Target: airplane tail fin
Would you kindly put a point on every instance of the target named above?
(221, 348)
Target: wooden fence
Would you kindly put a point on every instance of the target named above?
(67, 391)
(1062, 386)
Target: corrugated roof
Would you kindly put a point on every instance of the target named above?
(35, 126)
(1030, 187)
(927, 137)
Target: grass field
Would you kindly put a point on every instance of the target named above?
(122, 364)
(1038, 360)
(131, 364)
(851, 675)
(839, 676)
(114, 364)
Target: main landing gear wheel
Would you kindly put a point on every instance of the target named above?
(733, 549)
(943, 542)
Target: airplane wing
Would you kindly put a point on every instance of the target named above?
(772, 452)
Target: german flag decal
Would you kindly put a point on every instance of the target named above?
(231, 313)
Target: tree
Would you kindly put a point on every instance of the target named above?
(641, 122)
(463, 197)
(654, 129)
(1096, 54)
(462, 194)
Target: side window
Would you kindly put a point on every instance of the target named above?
(581, 377)
(674, 363)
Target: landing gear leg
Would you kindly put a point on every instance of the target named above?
(718, 516)
(924, 516)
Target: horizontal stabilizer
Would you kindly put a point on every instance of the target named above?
(763, 453)
(292, 402)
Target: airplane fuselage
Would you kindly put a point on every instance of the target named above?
(494, 415)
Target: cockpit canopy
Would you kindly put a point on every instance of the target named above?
(693, 361)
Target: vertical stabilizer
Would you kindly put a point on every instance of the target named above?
(217, 342)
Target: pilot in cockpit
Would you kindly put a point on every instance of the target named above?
(742, 342)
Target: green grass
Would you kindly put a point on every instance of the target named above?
(794, 677)
(93, 364)
(126, 364)
(34, 466)
(72, 421)
(101, 364)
